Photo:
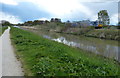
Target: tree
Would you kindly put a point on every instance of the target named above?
(68, 21)
(118, 23)
(103, 17)
(38, 22)
(46, 21)
(5, 23)
(52, 20)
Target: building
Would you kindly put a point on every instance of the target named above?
(55, 20)
(84, 23)
(96, 23)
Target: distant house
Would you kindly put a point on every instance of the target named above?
(55, 20)
(96, 23)
(74, 24)
(84, 23)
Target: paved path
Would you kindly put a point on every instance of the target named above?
(10, 65)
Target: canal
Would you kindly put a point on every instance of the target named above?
(106, 48)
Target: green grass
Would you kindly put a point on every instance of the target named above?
(2, 29)
(43, 57)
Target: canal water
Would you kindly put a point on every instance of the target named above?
(107, 48)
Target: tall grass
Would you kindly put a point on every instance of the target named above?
(43, 57)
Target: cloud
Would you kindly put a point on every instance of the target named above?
(15, 2)
(69, 9)
(58, 8)
(9, 2)
(114, 19)
(43, 19)
(10, 18)
(26, 11)
(94, 18)
(64, 9)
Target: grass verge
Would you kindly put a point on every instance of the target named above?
(2, 29)
(43, 57)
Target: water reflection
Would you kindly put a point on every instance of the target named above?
(107, 50)
(17, 26)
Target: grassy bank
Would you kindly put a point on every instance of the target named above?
(110, 34)
(2, 29)
(43, 57)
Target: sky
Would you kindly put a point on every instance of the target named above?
(18, 11)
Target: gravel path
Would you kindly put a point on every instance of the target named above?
(10, 65)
